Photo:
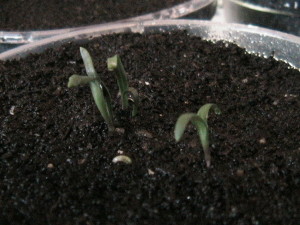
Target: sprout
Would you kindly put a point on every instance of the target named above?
(199, 120)
(114, 64)
(127, 93)
(99, 91)
(133, 96)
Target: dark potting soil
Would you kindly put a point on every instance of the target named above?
(284, 5)
(37, 14)
(56, 154)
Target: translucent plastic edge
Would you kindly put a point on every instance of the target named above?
(177, 11)
(263, 9)
(263, 41)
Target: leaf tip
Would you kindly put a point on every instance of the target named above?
(112, 63)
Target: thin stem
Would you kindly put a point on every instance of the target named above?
(134, 97)
(114, 64)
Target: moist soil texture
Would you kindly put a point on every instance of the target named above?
(38, 15)
(56, 153)
(292, 6)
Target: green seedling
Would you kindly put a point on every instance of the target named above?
(134, 98)
(127, 93)
(199, 120)
(114, 64)
(99, 91)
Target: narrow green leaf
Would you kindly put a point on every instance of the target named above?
(76, 80)
(88, 63)
(103, 104)
(99, 91)
(201, 124)
(114, 64)
(134, 97)
(204, 110)
(182, 123)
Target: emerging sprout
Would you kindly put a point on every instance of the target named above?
(199, 120)
(114, 64)
(99, 91)
(133, 97)
(127, 93)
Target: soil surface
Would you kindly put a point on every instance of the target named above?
(38, 15)
(56, 154)
(284, 5)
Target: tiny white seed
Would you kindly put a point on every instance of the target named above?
(122, 158)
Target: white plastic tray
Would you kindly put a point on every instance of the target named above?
(255, 40)
(197, 9)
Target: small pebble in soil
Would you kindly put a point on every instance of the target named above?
(144, 133)
(120, 130)
(233, 212)
(72, 62)
(58, 91)
(240, 172)
(120, 152)
(150, 172)
(245, 80)
(50, 166)
(12, 110)
(262, 141)
(6, 155)
(122, 158)
(193, 143)
(145, 146)
(81, 161)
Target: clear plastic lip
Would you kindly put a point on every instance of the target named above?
(261, 41)
(242, 11)
(264, 9)
(178, 11)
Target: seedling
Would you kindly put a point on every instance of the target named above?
(114, 64)
(127, 93)
(100, 93)
(134, 98)
(199, 120)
